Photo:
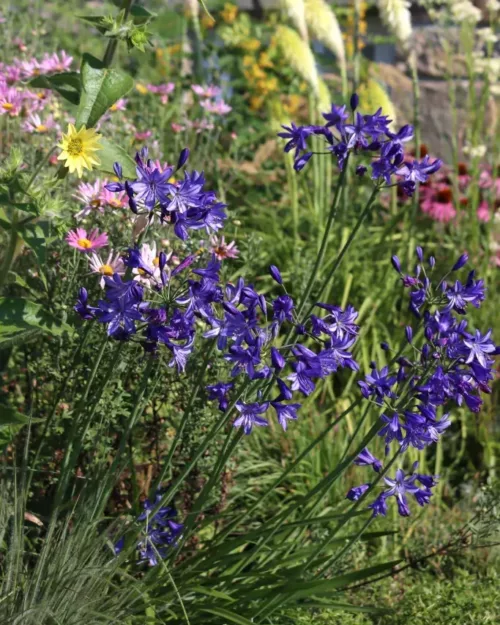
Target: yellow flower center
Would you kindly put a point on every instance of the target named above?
(113, 107)
(8, 106)
(41, 128)
(95, 203)
(75, 146)
(141, 88)
(142, 272)
(156, 261)
(36, 72)
(84, 243)
(106, 270)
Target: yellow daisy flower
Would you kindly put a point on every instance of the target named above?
(78, 147)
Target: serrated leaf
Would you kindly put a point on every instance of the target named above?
(18, 314)
(101, 88)
(111, 153)
(36, 235)
(10, 416)
(96, 21)
(140, 14)
(66, 83)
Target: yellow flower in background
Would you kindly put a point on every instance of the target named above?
(174, 48)
(78, 148)
(256, 102)
(250, 45)
(229, 13)
(207, 21)
(293, 104)
(264, 60)
(248, 60)
(142, 89)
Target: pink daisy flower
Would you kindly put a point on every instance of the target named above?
(206, 92)
(30, 69)
(218, 108)
(53, 63)
(11, 102)
(35, 125)
(164, 89)
(223, 250)
(119, 105)
(90, 196)
(114, 200)
(113, 264)
(80, 240)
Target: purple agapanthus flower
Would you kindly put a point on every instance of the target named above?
(366, 458)
(250, 415)
(285, 412)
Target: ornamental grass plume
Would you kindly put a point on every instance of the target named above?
(324, 96)
(324, 27)
(297, 54)
(373, 96)
(296, 11)
(395, 14)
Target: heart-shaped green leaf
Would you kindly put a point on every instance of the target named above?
(101, 88)
(18, 314)
(111, 153)
(66, 83)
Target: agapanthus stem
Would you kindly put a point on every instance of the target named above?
(324, 243)
(342, 253)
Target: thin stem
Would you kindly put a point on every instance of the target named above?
(343, 251)
(113, 43)
(324, 243)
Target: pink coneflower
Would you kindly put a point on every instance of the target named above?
(483, 212)
(34, 124)
(53, 63)
(113, 264)
(142, 136)
(223, 250)
(218, 108)
(437, 202)
(80, 240)
(207, 92)
(90, 195)
(11, 102)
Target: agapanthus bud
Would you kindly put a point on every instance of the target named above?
(183, 157)
(385, 346)
(432, 262)
(396, 264)
(361, 170)
(428, 333)
(277, 359)
(354, 101)
(300, 329)
(275, 274)
(420, 253)
(425, 352)
(302, 161)
(460, 262)
(409, 334)
(117, 168)
(162, 260)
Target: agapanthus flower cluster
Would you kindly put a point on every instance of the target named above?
(161, 532)
(362, 135)
(185, 204)
(450, 365)
(177, 302)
